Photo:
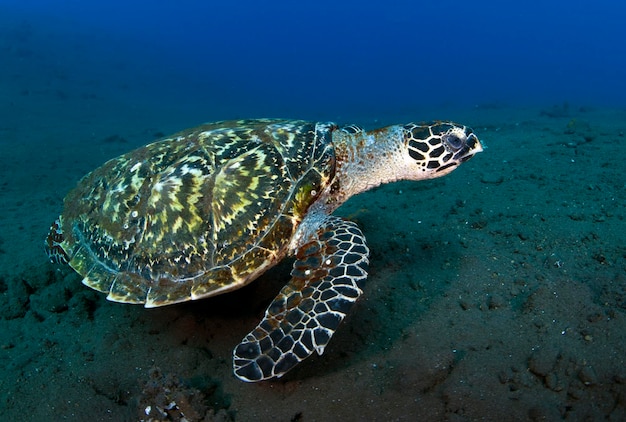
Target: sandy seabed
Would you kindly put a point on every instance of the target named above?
(495, 293)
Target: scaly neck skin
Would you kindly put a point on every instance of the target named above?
(363, 161)
(366, 160)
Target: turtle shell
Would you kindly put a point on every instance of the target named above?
(197, 214)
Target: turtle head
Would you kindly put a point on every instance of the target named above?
(398, 152)
(437, 148)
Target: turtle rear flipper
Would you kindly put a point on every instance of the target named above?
(327, 278)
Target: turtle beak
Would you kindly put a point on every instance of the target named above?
(471, 146)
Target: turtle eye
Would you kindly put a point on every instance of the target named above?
(453, 141)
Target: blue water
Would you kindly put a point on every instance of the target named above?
(326, 58)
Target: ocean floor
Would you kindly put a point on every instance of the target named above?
(495, 293)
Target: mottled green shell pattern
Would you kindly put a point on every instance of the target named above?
(197, 214)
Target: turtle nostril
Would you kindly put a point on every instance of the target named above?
(453, 141)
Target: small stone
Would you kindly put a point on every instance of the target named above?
(492, 178)
(465, 305)
(503, 377)
(576, 390)
(542, 361)
(495, 302)
(552, 382)
(588, 376)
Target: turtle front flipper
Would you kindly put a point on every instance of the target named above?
(327, 278)
(53, 244)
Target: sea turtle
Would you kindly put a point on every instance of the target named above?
(207, 210)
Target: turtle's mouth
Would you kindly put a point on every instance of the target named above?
(470, 147)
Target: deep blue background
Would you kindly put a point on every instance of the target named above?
(325, 57)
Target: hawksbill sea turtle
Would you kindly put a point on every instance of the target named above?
(207, 210)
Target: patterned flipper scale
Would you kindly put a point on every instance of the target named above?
(327, 279)
(53, 244)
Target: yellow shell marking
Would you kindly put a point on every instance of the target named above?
(196, 214)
